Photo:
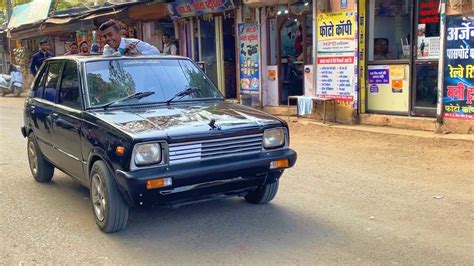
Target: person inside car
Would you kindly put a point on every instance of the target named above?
(116, 45)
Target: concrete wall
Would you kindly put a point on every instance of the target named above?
(458, 126)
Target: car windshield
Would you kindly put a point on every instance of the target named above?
(111, 80)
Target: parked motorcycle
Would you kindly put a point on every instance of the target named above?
(13, 83)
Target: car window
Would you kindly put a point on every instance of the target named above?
(52, 81)
(113, 79)
(69, 91)
(39, 85)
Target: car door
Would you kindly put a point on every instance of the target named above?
(41, 107)
(67, 121)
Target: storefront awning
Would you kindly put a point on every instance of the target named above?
(104, 14)
(152, 11)
(189, 8)
(33, 12)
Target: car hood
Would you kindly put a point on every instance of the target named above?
(187, 120)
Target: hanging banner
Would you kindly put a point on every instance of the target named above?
(189, 8)
(459, 68)
(249, 39)
(336, 55)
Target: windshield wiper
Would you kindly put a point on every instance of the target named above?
(137, 95)
(187, 91)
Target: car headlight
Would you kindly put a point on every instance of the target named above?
(274, 138)
(147, 153)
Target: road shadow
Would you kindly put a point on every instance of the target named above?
(214, 225)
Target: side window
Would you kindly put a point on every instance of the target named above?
(39, 84)
(51, 82)
(69, 91)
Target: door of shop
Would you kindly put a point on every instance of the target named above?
(211, 42)
(291, 56)
(425, 61)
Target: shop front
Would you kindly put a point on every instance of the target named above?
(206, 31)
(403, 51)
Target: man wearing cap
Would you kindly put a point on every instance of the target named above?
(38, 58)
(117, 45)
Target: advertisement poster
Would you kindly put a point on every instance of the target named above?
(308, 81)
(188, 8)
(428, 30)
(336, 55)
(388, 88)
(271, 90)
(459, 68)
(249, 40)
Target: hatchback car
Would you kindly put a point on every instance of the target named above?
(149, 131)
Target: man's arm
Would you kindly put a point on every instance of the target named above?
(33, 66)
(173, 49)
(145, 48)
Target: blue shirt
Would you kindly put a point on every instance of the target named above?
(37, 59)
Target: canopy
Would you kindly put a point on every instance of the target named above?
(30, 13)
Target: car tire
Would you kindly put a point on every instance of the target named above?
(263, 194)
(41, 169)
(109, 208)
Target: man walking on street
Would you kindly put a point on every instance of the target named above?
(168, 47)
(38, 58)
(116, 45)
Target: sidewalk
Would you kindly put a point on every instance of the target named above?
(383, 130)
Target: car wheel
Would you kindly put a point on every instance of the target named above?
(110, 210)
(41, 169)
(263, 194)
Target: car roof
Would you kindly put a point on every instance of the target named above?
(92, 58)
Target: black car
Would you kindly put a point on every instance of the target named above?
(149, 131)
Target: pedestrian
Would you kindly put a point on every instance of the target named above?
(117, 45)
(169, 48)
(38, 58)
(84, 48)
(73, 49)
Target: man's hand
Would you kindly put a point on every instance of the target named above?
(131, 49)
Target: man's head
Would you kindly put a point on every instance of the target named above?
(73, 48)
(111, 33)
(44, 45)
(84, 47)
(166, 38)
(381, 46)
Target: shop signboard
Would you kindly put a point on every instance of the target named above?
(249, 54)
(189, 8)
(428, 30)
(459, 68)
(336, 55)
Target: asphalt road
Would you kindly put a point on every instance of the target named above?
(353, 198)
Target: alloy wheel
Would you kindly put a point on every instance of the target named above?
(98, 197)
(33, 158)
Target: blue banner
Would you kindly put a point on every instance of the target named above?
(459, 68)
(249, 58)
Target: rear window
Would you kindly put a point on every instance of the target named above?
(111, 80)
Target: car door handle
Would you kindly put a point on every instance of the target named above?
(32, 109)
(54, 116)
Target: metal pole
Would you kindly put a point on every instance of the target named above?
(439, 114)
(315, 47)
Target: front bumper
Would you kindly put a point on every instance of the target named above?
(202, 180)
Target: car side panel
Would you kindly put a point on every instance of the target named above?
(67, 140)
(40, 113)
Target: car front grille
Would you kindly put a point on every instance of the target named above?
(214, 149)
